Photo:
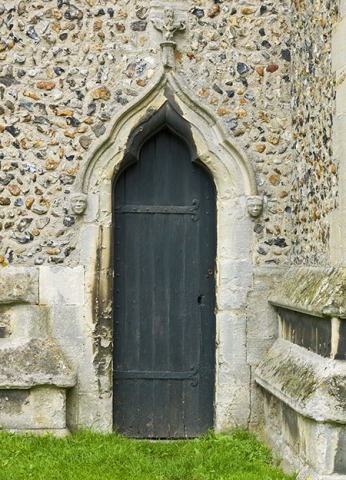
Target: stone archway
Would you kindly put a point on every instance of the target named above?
(234, 180)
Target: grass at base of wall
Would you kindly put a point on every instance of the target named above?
(89, 456)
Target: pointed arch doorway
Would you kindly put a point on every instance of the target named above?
(164, 220)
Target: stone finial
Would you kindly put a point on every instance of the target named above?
(78, 203)
(254, 204)
(168, 26)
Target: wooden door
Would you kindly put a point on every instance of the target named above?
(164, 321)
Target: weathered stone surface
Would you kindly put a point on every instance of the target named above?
(35, 363)
(62, 285)
(18, 284)
(304, 381)
(45, 405)
(318, 291)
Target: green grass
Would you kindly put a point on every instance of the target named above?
(88, 456)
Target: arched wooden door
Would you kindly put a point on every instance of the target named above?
(164, 288)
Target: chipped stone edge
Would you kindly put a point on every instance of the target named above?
(320, 405)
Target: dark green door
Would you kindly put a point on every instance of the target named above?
(164, 321)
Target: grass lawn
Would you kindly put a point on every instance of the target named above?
(89, 456)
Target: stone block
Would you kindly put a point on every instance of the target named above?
(89, 235)
(234, 282)
(33, 363)
(338, 45)
(95, 412)
(62, 285)
(260, 314)
(23, 322)
(18, 285)
(316, 449)
(67, 323)
(40, 408)
(340, 101)
(232, 335)
(92, 210)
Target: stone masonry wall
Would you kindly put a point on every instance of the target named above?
(315, 180)
(67, 68)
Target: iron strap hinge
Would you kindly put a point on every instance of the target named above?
(134, 375)
(190, 210)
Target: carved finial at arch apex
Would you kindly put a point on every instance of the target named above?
(168, 26)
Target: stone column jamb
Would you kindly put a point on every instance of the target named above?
(338, 217)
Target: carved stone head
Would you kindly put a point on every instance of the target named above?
(78, 203)
(254, 204)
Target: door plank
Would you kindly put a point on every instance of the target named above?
(164, 317)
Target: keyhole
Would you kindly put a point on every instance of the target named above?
(200, 299)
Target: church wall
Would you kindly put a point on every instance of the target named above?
(315, 190)
(69, 71)
(68, 68)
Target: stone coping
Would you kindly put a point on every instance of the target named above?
(313, 290)
(34, 363)
(312, 385)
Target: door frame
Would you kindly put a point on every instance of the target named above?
(234, 179)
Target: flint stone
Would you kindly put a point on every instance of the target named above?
(19, 285)
(32, 34)
(42, 120)
(67, 179)
(85, 141)
(73, 13)
(27, 105)
(68, 221)
(91, 108)
(58, 70)
(198, 12)
(139, 26)
(242, 68)
(141, 12)
(101, 93)
(73, 121)
(42, 222)
(28, 237)
(10, 106)
(98, 129)
(286, 55)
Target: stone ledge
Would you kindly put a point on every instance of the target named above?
(313, 386)
(19, 285)
(34, 363)
(313, 290)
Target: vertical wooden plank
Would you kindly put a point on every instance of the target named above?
(207, 306)
(162, 327)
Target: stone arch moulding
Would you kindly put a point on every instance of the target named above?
(210, 137)
(167, 103)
